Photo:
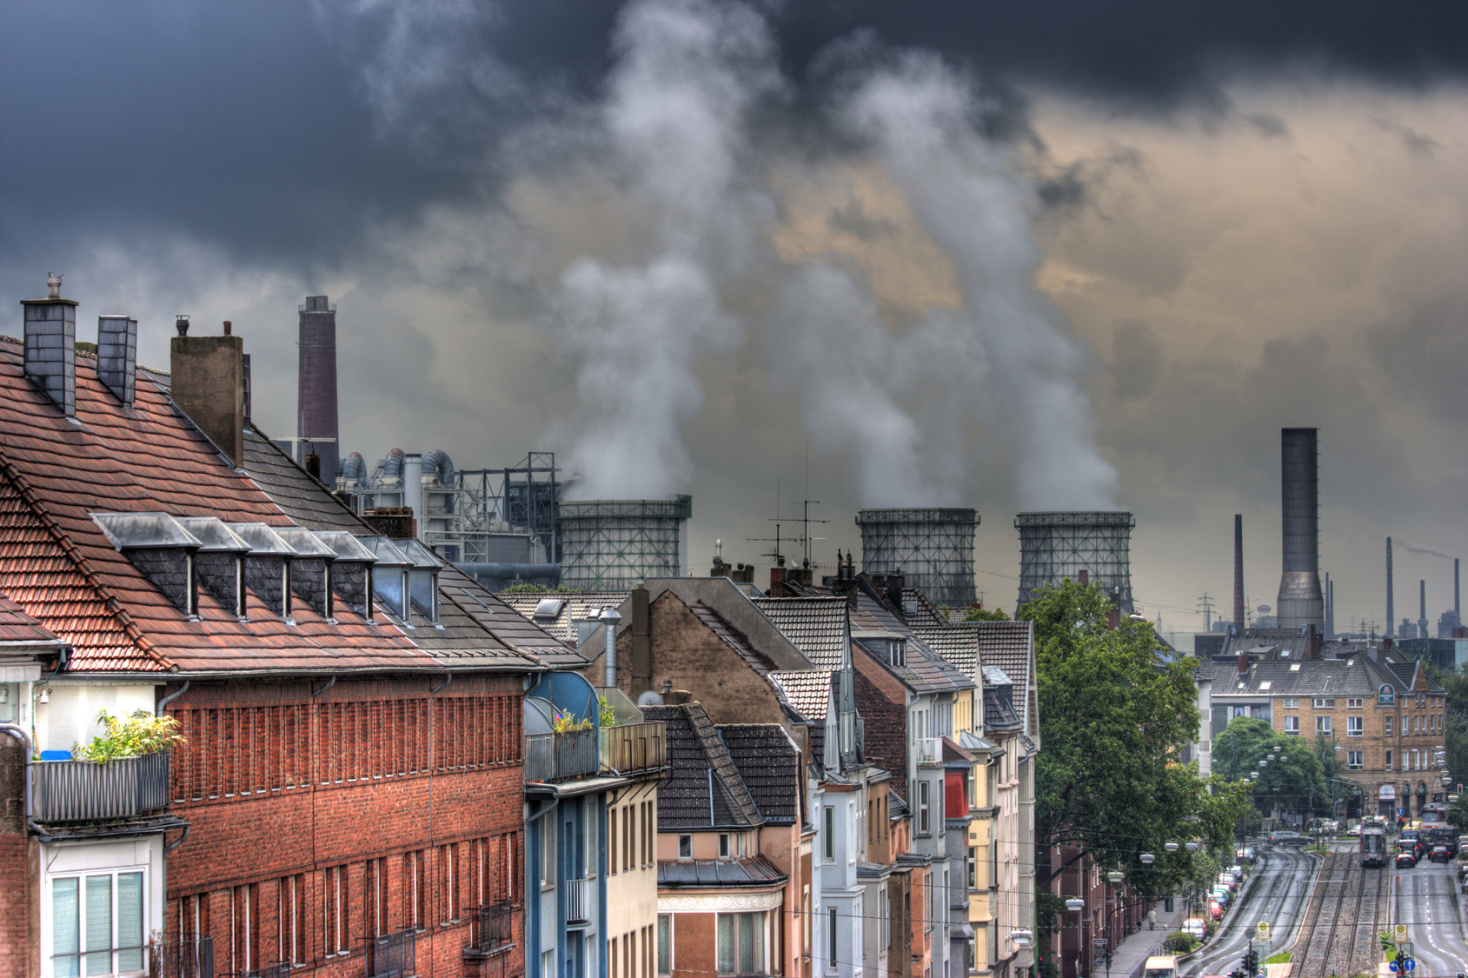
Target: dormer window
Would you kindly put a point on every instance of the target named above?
(162, 551)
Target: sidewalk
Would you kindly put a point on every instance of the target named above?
(1133, 952)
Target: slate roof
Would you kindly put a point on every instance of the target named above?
(57, 563)
(770, 766)
(1286, 677)
(925, 671)
(704, 789)
(999, 714)
(19, 628)
(970, 645)
(577, 607)
(754, 871)
(815, 625)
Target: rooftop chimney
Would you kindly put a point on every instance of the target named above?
(1300, 601)
(1239, 619)
(50, 345)
(117, 356)
(209, 386)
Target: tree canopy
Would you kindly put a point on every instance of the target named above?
(1294, 777)
(1115, 718)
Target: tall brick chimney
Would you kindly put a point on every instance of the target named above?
(209, 386)
(117, 356)
(50, 345)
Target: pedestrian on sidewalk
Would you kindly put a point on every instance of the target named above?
(1151, 919)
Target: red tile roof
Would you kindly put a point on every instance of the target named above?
(19, 628)
(56, 563)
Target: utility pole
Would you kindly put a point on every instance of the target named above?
(1205, 605)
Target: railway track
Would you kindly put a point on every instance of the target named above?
(1348, 907)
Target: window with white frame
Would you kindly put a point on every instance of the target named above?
(685, 847)
(98, 922)
(1322, 725)
(1354, 703)
(1292, 703)
(1355, 759)
(547, 853)
(831, 939)
(1388, 760)
(1325, 702)
(923, 805)
(1388, 725)
(723, 845)
(1355, 726)
(828, 833)
(1292, 726)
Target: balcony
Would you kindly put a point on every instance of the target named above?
(492, 927)
(184, 959)
(629, 748)
(87, 791)
(928, 750)
(561, 756)
(393, 955)
(578, 900)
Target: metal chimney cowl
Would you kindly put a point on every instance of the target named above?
(1301, 601)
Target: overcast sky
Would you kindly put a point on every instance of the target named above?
(1013, 256)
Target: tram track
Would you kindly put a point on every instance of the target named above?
(1348, 907)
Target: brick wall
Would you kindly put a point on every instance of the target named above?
(19, 925)
(371, 808)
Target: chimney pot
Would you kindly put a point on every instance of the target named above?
(228, 328)
(53, 285)
(181, 323)
(1243, 664)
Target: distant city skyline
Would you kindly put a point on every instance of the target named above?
(1006, 256)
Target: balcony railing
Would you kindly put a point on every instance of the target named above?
(393, 955)
(492, 926)
(85, 791)
(184, 959)
(280, 970)
(578, 900)
(631, 747)
(559, 756)
(928, 750)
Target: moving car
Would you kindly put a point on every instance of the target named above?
(1160, 966)
(1354, 830)
(1406, 859)
(1285, 837)
(1440, 854)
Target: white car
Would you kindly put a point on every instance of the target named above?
(1194, 926)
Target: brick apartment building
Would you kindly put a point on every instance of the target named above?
(348, 798)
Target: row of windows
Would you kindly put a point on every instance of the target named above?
(1356, 726)
(638, 836)
(1353, 702)
(246, 750)
(276, 921)
(630, 956)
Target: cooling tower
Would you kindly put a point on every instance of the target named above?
(316, 420)
(1300, 600)
(616, 544)
(1055, 546)
(933, 549)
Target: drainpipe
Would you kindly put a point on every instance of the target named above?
(18, 732)
(448, 678)
(163, 703)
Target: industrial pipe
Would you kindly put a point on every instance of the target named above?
(609, 619)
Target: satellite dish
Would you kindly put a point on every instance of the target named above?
(1264, 609)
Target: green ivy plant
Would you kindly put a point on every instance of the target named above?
(141, 733)
(606, 715)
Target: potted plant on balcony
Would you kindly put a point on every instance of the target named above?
(141, 733)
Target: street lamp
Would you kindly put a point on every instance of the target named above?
(1192, 847)
(1170, 846)
(1147, 858)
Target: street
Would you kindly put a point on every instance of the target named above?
(1329, 914)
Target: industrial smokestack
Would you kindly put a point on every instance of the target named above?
(1391, 611)
(1239, 570)
(1422, 609)
(316, 415)
(1300, 600)
(1457, 608)
(1329, 609)
(933, 549)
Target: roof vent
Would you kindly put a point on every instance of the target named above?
(548, 608)
(161, 549)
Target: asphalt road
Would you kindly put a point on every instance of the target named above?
(1276, 892)
(1426, 899)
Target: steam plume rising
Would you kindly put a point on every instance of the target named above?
(673, 126)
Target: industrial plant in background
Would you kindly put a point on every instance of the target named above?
(1060, 545)
(1301, 601)
(933, 550)
(617, 544)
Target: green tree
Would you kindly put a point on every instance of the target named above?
(984, 614)
(1291, 780)
(1455, 682)
(1115, 716)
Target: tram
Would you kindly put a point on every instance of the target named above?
(1373, 845)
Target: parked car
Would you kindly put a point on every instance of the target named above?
(1354, 830)
(1440, 854)
(1195, 926)
(1406, 859)
(1246, 854)
(1215, 909)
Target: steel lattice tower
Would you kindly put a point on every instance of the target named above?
(616, 544)
(1056, 546)
(933, 549)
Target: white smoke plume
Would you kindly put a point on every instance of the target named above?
(674, 131)
(970, 196)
